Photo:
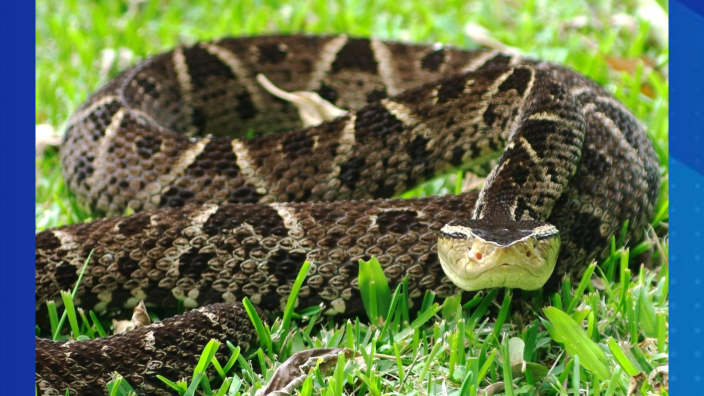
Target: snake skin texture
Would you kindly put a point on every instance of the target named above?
(226, 208)
(170, 348)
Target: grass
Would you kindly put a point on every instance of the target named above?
(591, 337)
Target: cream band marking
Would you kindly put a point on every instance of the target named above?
(479, 61)
(576, 91)
(83, 114)
(248, 168)
(201, 217)
(185, 86)
(182, 76)
(553, 118)
(287, 213)
(240, 71)
(188, 157)
(97, 179)
(401, 112)
(531, 153)
(386, 70)
(456, 229)
(327, 56)
(346, 142)
(244, 161)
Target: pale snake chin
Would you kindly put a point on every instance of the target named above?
(220, 216)
(480, 255)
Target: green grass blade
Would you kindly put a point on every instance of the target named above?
(73, 294)
(373, 284)
(70, 310)
(566, 331)
(621, 358)
(508, 376)
(291, 303)
(264, 335)
(586, 279)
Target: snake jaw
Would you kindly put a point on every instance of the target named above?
(474, 263)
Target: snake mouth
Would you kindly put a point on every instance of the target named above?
(525, 260)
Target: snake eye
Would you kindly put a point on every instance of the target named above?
(528, 254)
(478, 255)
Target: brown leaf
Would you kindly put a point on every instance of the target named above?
(623, 64)
(121, 326)
(659, 378)
(140, 317)
(635, 384)
(493, 388)
(291, 374)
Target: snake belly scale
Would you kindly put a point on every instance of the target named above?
(221, 215)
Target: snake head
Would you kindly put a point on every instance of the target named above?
(478, 254)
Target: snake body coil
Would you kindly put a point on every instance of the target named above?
(221, 216)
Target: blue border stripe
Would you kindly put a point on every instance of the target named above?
(695, 5)
(686, 279)
(687, 197)
(687, 86)
(17, 175)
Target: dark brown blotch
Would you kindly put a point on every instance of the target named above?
(245, 106)
(433, 60)
(150, 89)
(350, 171)
(356, 54)
(498, 60)
(376, 95)
(218, 158)
(397, 221)
(204, 67)
(328, 93)
(134, 225)
(199, 120)
(585, 232)
(147, 146)
(450, 89)
(47, 240)
(192, 264)
(375, 120)
(175, 197)
(65, 275)
(126, 266)
(297, 144)
(271, 53)
(244, 194)
(227, 217)
(489, 115)
(518, 80)
(417, 150)
(285, 264)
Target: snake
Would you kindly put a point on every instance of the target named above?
(212, 190)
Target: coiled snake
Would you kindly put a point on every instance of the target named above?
(220, 216)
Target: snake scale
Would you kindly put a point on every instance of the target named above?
(221, 214)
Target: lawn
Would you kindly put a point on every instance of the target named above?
(599, 336)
